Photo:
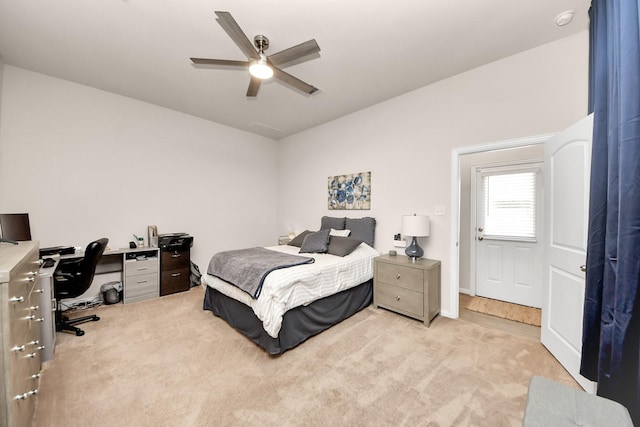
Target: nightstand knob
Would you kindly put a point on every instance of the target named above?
(398, 298)
(398, 276)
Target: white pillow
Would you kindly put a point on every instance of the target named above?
(341, 233)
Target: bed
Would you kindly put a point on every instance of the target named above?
(294, 303)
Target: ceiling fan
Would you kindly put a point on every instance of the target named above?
(260, 65)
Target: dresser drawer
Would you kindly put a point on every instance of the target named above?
(136, 268)
(24, 313)
(400, 299)
(397, 275)
(143, 285)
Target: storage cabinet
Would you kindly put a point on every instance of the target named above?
(175, 269)
(141, 269)
(407, 287)
(20, 321)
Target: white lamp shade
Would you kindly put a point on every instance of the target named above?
(261, 69)
(415, 225)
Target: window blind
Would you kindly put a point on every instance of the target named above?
(509, 205)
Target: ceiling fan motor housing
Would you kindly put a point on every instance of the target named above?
(261, 42)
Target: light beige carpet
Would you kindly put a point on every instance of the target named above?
(505, 310)
(165, 362)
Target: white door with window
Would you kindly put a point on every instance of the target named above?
(508, 232)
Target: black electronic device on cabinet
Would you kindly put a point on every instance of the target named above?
(175, 262)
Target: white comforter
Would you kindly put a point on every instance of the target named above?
(288, 288)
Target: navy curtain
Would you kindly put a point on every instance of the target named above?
(611, 330)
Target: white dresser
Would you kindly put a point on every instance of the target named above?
(20, 321)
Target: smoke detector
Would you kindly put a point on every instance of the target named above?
(565, 18)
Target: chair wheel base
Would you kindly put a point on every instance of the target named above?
(67, 325)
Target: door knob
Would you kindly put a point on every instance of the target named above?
(480, 237)
(583, 268)
(480, 229)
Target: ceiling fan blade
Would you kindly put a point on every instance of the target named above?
(207, 61)
(293, 53)
(254, 85)
(293, 81)
(232, 28)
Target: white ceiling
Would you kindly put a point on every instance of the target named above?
(371, 50)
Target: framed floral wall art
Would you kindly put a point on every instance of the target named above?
(351, 191)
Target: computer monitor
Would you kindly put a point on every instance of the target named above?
(15, 227)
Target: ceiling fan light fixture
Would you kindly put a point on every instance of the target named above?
(260, 69)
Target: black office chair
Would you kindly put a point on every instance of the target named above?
(72, 278)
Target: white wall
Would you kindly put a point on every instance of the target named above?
(86, 164)
(407, 142)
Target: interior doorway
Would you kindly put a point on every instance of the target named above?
(463, 159)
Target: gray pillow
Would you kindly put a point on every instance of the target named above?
(342, 246)
(362, 229)
(317, 242)
(332, 222)
(297, 241)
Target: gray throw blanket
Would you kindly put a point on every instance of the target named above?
(247, 268)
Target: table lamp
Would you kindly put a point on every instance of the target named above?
(415, 226)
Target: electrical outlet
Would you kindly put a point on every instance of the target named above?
(438, 210)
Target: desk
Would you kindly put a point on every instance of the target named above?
(139, 268)
(139, 277)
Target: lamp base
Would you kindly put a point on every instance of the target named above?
(414, 251)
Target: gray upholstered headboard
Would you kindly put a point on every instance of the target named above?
(361, 228)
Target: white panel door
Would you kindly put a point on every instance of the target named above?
(567, 159)
(509, 256)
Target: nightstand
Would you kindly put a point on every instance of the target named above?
(407, 287)
(284, 240)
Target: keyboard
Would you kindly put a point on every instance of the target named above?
(56, 250)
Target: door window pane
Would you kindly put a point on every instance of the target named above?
(509, 205)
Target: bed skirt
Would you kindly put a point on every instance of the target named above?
(298, 324)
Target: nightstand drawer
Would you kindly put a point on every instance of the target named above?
(401, 299)
(404, 277)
